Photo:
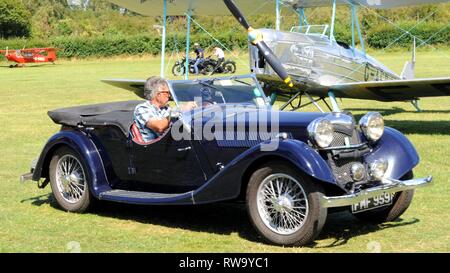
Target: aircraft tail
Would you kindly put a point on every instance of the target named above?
(51, 54)
(408, 68)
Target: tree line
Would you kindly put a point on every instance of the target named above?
(111, 30)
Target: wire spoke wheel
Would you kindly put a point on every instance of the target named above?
(282, 203)
(229, 67)
(70, 178)
(178, 70)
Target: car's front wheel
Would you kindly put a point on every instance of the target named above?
(69, 180)
(400, 204)
(284, 205)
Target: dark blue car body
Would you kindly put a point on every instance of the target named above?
(295, 179)
(106, 150)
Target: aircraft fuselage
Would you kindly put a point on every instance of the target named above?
(313, 60)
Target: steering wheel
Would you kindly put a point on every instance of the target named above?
(207, 97)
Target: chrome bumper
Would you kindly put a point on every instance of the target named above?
(388, 186)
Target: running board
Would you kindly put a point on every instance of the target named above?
(154, 198)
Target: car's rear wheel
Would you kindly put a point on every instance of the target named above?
(400, 204)
(284, 205)
(69, 180)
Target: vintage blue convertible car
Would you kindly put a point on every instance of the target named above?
(289, 168)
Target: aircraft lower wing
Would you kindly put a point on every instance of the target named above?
(137, 86)
(394, 90)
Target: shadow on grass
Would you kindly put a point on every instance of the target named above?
(394, 110)
(40, 200)
(223, 219)
(424, 127)
(217, 218)
(343, 226)
(27, 66)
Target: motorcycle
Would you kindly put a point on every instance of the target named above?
(226, 67)
(208, 67)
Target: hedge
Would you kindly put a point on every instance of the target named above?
(378, 37)
(431, 33)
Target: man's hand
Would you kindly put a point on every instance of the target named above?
(189, 106)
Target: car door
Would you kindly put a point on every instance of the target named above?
(168, 164)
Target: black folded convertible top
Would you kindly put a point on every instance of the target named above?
(119, 114)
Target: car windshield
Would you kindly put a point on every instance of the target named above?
(234, 90)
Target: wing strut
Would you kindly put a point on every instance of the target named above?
(415, 103)
(163, 40)
(300, 105)
(333, 102)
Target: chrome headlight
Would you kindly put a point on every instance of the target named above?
(372, 125)
(378, 169)
(321, 132)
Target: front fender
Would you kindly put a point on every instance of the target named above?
(226, 184)
(84, 146)
(394, 147)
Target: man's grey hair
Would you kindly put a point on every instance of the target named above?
(152, 86)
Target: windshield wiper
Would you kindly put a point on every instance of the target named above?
(235, 79)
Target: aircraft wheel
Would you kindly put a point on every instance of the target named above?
(284, 205)
(69, 180)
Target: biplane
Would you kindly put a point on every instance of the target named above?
(29, 55)
(308, 57)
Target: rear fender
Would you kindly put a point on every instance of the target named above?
(226, 184)
(84, 146)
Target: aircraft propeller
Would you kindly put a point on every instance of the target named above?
(256, 39)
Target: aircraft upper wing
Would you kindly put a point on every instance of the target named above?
(377, 4)
(199, 7)
(395, 90)
(249, 7)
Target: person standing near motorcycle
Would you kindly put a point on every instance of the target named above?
(200, 57)
(218, 52)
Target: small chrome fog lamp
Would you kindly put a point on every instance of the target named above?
(378, 169)
(321, 132)
(372, 125)
(357, 171)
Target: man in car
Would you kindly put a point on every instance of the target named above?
(152, 117)
(200, 57)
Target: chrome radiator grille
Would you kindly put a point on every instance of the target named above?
(339, 139)
(342, 167)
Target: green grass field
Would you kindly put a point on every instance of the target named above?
(30, 221)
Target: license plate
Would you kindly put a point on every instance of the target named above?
(381, 200)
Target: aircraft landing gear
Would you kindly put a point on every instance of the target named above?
(16, 65)
(415, 103)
